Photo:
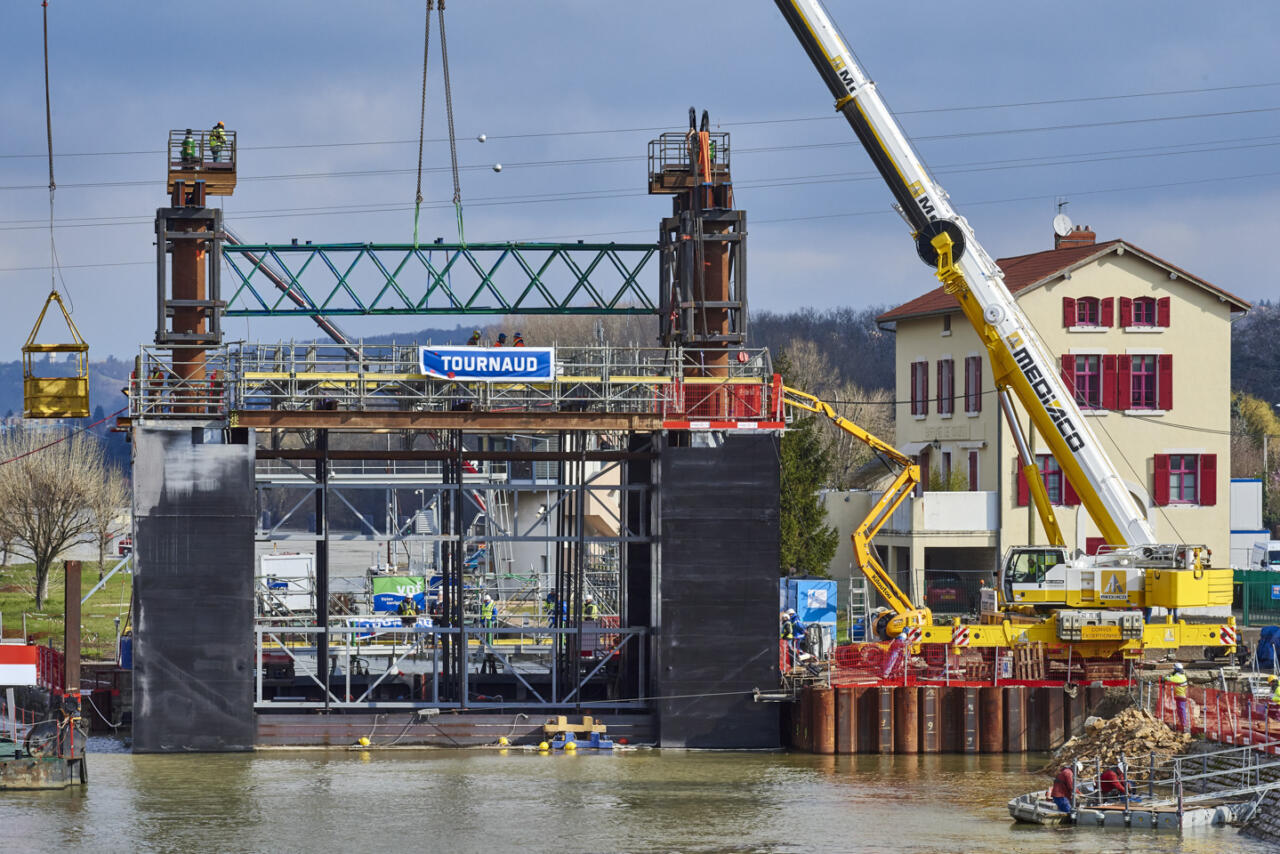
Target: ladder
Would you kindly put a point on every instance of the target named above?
(859, 608)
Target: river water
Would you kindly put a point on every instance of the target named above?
(486, 801)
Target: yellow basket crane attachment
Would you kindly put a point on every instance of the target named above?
(55, 397)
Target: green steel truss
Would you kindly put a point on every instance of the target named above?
(437, 279)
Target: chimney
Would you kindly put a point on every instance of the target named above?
(1081, 235)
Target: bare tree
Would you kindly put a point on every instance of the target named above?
(108, 508)
(45, 491)
(871, 409)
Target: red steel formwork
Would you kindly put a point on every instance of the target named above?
(897, 663)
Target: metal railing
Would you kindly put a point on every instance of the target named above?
(206, 155)
(409, 676)
(660, 381)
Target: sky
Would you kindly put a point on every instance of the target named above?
(1158, 123)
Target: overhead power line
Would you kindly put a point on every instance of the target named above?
(779, 220)
(658, 128)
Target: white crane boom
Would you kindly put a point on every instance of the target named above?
(944, 240)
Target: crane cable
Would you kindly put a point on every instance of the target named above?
(453, 142)
(48, 126)
(422, 121)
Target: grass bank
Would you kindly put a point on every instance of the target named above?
(97, 616)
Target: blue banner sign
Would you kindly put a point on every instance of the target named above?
(531, 364)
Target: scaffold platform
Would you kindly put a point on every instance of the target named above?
(357, 386)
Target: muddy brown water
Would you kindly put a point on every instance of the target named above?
(485, 801)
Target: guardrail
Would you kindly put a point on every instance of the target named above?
(412, 657)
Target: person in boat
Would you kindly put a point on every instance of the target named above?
(1113, 785)
(1064, 787)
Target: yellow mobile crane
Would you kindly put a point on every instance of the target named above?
(1093, 597)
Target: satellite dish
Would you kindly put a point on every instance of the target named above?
(1062, 225)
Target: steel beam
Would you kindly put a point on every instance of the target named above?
(335, 279)
(486, 422)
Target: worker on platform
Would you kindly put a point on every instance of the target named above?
(217, 141)
(518, 341)
(551, 609)
(1064, 787)
(1177, 680)
(1113, 785)
(894, 662)
(488, 616)
(590, 610)
(502, 340)
(797, 632)
(188, 148)
(408, 611)
(474, 340)
(1274, 684)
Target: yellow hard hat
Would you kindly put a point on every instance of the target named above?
(1272, 679)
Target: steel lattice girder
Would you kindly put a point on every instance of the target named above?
(439, 279)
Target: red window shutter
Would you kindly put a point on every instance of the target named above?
(1161, 490)
(973, 471)
(1069, 371)
(1068, 312)
(1162, 311)
(1107, 314)
(1024, 491)
(1126, 311)
(1208, 479)
(924, 388)
(977, 383)
(1164, 386)
(1069, 497)
(915, 388)
(1092, 545)
(1109, 396)
(1124, 382)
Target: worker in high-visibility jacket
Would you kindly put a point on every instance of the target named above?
(1177, 680)
(590, 610)
(1274, 684)
(217, 141)
(188, 148)
(785, 634)
(489, 615)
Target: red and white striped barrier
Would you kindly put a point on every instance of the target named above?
(960, 636)
(1227, 636)
(17, 664)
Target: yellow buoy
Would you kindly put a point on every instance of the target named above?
(503, 741)
(570, 745)
(542, 745)
(363, 741)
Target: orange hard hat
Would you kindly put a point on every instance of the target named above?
(220, 124)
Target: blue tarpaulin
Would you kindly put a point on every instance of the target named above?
(813, 598)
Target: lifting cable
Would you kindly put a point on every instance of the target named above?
(48, 127)
(453, 142)
(422, 122)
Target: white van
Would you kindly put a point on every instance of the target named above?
(1265, 555)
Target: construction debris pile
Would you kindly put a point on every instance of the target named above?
(1133, 733)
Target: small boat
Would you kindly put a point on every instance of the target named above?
(1036, 808)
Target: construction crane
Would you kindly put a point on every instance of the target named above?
(900, 612)
(1139, 571)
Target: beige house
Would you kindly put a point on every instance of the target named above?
(1147, 347)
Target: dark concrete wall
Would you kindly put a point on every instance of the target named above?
(717, 615)
(193, 590)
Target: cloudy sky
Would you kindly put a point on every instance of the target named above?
(1159, 122)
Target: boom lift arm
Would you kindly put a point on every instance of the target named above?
(902, 611)
(945, 241)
